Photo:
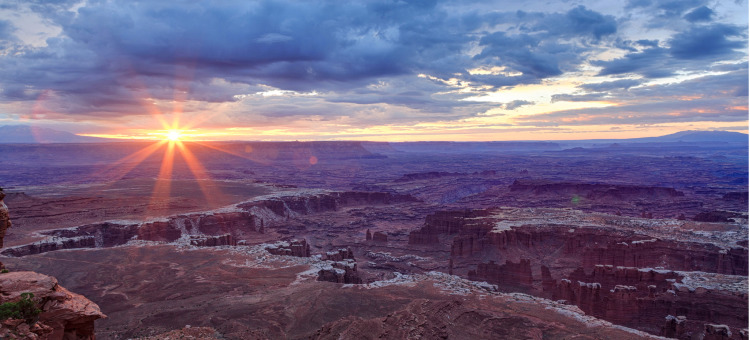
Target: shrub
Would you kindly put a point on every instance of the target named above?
(23, 309)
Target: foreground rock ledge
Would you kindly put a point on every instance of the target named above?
(65, 315)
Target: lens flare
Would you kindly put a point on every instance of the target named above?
(174, 135)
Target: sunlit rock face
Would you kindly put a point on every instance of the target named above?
(64, 315)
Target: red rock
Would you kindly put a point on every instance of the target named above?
(213, 241)
(379, 236)
(298, 248)
(510, 276)
(674, 327)
(339, 255)
(716, 332)
(65, 315)
(340, 272)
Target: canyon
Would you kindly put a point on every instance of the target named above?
(536, 240)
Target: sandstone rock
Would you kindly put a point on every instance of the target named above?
(716, 332)
(212, 241)
(340, 272)
(509, 276)
(65, 315)
(380, 237)
(339, 255)
(674, 327)
(298, 248)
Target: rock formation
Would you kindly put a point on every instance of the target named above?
(4, 218)
(212, 241)
(339, 255)
(64, 315)
(608, 272)
(380, 237)
(340, 272)
(251, 219)
(298, 248)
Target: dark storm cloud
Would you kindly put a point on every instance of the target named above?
(649, 62)
(702, 13)
(700, 42)
(704, 42)
(579, 21)
(112, 55)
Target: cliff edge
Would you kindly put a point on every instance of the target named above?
(60, 314)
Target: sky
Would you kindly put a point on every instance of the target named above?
(378, 70)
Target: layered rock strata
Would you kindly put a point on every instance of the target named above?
(214, 228)
(630, 273)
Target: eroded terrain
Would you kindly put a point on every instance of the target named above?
(403, 240)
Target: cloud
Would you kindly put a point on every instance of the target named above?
(579, 21)
(702, 13)
(368, 62)
(611, 85)
(112, 57)
(713, 42)
(707, 42)
(719, 98)
(516, 104)
(649, 62)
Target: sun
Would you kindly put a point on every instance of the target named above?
(174, 135)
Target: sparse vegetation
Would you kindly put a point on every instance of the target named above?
(4, 271)
(25, 308)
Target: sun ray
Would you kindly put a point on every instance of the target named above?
(162, 186)
(114, 172)
(199, 173)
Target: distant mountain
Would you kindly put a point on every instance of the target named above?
(693, 136)
(32, 134)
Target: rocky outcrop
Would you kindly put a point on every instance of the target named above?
(205, 229)
(441, 223)
(607, 272)
(339, 255)
(51, 245)
(593, 191)
(674, 327)
(340, 272)
(289, 206)
(341, 267)
(651, 296)
(298, 248)
(509, 276)
(590, 246)
(379, 237)
(212, 241)
(716, 332)
(64, 315)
